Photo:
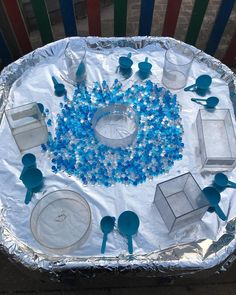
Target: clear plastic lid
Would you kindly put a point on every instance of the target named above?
(60, 221)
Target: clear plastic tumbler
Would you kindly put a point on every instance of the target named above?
(178, 61)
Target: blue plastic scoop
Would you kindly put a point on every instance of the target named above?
(107, 225)
(211, 101)
(29, 161)
(222, 180)
(213, 197)
(58, 87)
(125, 62)
(201, 85)
(145, 66)
(33, 181)
(41, 107)
(128, 224)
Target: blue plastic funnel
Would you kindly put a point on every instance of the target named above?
(33, 181)
(145, 66)
(58, 87)
(128, 224)
(125, 62)
(107, 225)
(29, 161)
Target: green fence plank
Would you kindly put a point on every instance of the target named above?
(43, 20)
(120, 15)
(196, 20)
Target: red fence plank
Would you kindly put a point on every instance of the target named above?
(230, 54)
(94, 17)
(171, 18)
(14, 14)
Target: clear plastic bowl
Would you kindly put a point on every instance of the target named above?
(115, 125)
(61, 221)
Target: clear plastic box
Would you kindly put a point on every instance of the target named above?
(217, 140)
(27, 125)
(180, 201)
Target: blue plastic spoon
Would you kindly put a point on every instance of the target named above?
(128, 224)
(211, 101)
(58, 87)
(222, 180)
(213, 197)
(201, 86)
(33, 181)
(107, 225)
(125, 62)
(29, 161)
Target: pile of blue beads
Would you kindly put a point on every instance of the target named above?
(159, 143)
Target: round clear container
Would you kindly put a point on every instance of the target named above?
(61, 221)
(178, 61)
(115, 125)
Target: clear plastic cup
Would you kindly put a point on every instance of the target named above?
(178, 61)
(115, 125)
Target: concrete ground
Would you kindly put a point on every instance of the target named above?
(17, 280)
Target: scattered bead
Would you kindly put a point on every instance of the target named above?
(159, 140)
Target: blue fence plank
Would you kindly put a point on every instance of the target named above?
(146, 14)
(219, 25)
(5, 54)
(68, 17)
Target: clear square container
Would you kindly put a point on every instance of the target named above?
(180, 201)
(217, 140)
(27, 125)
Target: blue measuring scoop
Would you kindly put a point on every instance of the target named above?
(222, 180)
(145, 66)
(58, 87)
(211, 102)
(107, 225)
(33, 181)
(201, 85)
(29, 161)
(125, 62)
(144, 69)
(213, 196)
(41, 107)
(128, 224)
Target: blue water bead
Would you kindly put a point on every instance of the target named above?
(49, 122)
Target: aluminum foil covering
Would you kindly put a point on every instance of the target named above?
(196, 247)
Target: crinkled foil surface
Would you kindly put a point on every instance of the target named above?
(196, 247)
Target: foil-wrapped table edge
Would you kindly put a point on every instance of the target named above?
(203, 254)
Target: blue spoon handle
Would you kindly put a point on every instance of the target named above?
(198, 99)
(220, 213)
(104, 241)
(130, 245)
(54, 81)
(28, 196)
(232, 184)
(190, 87)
